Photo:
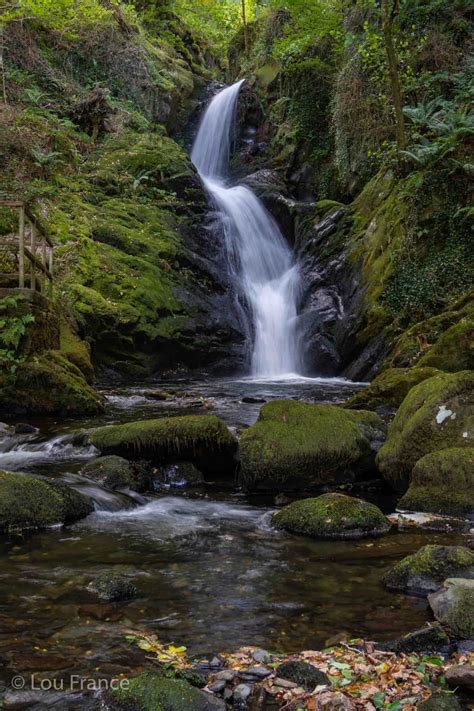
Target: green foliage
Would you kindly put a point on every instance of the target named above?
(59, 15)
(13, 326)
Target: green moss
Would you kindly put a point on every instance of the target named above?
(453, 605)
(332, 516)
(435, 415)
(117, 473)
(75, 350)
(426, 569)
(443, 483)
(49, 384)
(440, 702)
(151, 692)
(444, 341)
(389, 388)
(27, 502)
(201, 439)
(298, 445)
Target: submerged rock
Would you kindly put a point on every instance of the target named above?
(436, 414)
(28, 502)
(332, 516)
(117, 473)
(204, 440)
(151, 692)
(113, 587)
(389, 388)
(424, 571)
(295, 445)
(453, 605)
(443, 483)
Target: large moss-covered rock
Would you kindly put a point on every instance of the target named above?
(295, 445)
(332, 516)
(27, 502)
(46, 385)
(151, 692)
(453, 605)
(389, 388)
(424, 571)
(436, 414)
(117, 473)
(204, 440)
(443, 483)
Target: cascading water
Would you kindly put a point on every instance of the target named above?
(260, 260)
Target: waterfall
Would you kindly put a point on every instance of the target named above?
(260, 261)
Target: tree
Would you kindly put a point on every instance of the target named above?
(388, 15)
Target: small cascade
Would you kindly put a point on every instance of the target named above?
(260, 261)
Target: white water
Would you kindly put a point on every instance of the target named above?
(260, 260)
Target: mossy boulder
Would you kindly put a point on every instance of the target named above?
(436, 414)
(75, 350)
(453, 605)
(389, 388)
(443, 483)
(151, 692)
(332, 516)
(49, 385)
(440, 702)
(295, 445)
(204, 440)
(424, 571)
(117, 473)
(305, 675)
(28, 502)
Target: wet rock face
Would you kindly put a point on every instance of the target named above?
(112, 587)
(332, 305)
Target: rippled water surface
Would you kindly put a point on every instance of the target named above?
(211, 573)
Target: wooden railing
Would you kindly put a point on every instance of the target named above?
(32, 249)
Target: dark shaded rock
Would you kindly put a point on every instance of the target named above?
(113, 587)
(424, 571)
(332, 516)
(253, 400)
(304, 674)
(179, 475)
(440, 702)
(461, 676)
(427, 640)
(115, 472)
(453, 605)
(25, 428)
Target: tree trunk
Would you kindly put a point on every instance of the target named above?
(392, 64)
(244, 21)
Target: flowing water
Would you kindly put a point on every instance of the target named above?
(260, 260)
(210, 571)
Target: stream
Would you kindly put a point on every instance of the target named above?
(211, 573)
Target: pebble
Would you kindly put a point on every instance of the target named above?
(225, 675)
(261, 656)
(284, 683)
(217, 686)
(254, 673)
(462, 676)
(242, 692)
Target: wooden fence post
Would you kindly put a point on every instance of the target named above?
(33, 252)
(21, 247)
